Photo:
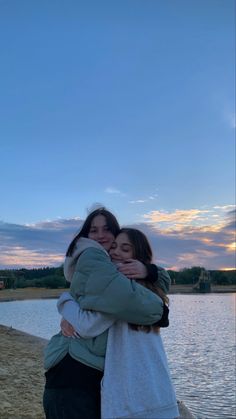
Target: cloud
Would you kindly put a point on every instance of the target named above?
(196, 238)
(224, 207)
(230, 119)
(40, 244)
(206, 220)
(16, 256)
(112, 190)
(179, 239)
(138, 201)
(141, 201)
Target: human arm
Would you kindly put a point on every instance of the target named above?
(97, 285)
(135, 269)
(86, 323)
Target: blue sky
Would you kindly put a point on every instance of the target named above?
(127, 103)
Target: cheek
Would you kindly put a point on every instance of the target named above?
(111, 237)
(129, 255)
(92, 236)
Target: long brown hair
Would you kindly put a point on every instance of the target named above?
(112, 224)
(142, 251)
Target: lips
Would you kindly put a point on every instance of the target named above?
(116, 261)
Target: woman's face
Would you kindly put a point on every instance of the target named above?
(100, 232)
(121, 249)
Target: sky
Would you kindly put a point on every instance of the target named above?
(125, 103)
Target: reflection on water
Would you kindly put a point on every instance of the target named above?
(200, 345)
(37, 317)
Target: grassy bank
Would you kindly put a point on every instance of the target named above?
(29, 294)
(39, 293)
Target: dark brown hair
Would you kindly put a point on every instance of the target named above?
(112, 224)
(141, 246)
(143, 253)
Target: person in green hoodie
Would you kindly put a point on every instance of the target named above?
(75, 366)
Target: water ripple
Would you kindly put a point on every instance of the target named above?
(200, 345)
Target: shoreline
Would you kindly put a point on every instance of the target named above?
(45, 293)
(22, 376)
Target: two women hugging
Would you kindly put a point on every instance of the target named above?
(109, 360)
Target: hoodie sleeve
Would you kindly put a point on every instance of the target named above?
(97, 285)
(158, 275)
(87, 323)
(164, 280)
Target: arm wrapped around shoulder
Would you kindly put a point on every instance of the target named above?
(159, 275)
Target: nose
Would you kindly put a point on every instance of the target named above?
(115, 252)
(100, 233)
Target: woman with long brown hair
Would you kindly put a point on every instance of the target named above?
(136, 382)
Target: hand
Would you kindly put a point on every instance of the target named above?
(133, 269)
(67, 329)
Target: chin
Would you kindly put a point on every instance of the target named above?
(107, 247)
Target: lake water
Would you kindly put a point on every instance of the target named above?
(200, 345)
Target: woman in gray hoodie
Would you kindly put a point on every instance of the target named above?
(136, 381)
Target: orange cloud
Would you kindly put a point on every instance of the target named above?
(178, 217)
(189, 221)
(231, 247)
(20, 257)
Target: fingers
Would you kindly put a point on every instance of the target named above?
(134, 269)
(125, 269)
(67, 329)
(69, 334)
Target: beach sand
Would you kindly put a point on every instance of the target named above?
(21, 362)
(21, 375)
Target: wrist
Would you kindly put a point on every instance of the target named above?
(152, 272)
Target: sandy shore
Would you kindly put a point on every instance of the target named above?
(21, 375)
(29, 293)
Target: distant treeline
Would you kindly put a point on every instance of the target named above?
(40, 278)
(191, 276)
(54, 277)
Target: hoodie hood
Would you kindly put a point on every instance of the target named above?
(82, 244)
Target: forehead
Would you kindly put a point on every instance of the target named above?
(98, 221)
(122, 238)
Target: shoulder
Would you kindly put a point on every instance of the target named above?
(94, 254)
(93, 258)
